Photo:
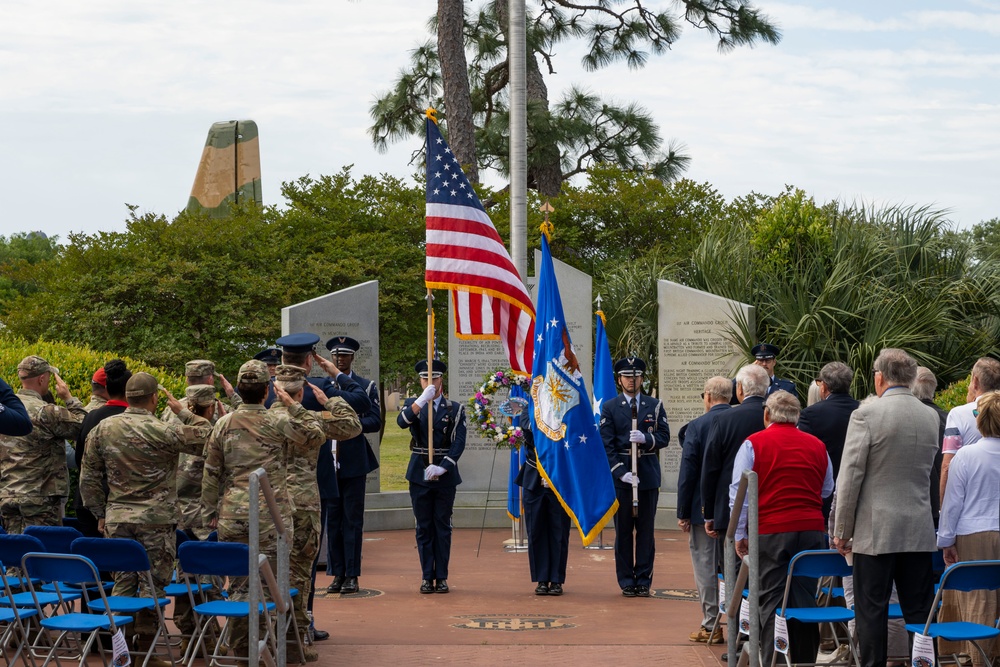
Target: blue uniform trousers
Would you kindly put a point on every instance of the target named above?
(548, 527)
(345, 522)
(634, 565)
(432, 508)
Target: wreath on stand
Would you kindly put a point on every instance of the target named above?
(493, 408)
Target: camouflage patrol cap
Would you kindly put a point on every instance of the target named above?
(200, 394)
(253, 372)
(199, 368)
(141, 384)
(288, 373)
(33, 366)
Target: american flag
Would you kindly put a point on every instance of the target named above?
(466, 256)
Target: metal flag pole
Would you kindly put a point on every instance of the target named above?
(516, 59)
(430, 375)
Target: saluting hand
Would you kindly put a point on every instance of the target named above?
(226, 385)
(327, 365)
(62, 389)
(321, 397)
(172, 403)
(283, 395)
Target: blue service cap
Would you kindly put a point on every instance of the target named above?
(630, 367)
(300, 342)
(765, 351)
(342, 345)
(439, 368)
(271, 356)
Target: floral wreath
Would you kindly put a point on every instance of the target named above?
(483, 416)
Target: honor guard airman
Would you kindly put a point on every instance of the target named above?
(355, 459)
(433, 482)
(765, 355)
(634, 418)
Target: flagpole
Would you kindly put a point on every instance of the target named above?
(516, 58)
(430, 375)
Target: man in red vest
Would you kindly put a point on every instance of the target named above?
(794, 474)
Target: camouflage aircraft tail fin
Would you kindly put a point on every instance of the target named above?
(229, 171)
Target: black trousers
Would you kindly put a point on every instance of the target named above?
(776, 552)
(547, 525)
(432, 508)
(635, 543)
(913, 574)
(345, 524)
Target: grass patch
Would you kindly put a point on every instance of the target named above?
(394, 455)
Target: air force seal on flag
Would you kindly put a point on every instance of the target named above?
(555, 394)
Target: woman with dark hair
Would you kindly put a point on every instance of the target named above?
(116, 374)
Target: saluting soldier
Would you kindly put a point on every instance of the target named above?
(253, 437)
(433, 484)
(339, 421)
(547, 525)
(634, 563)
(33, 466)
(345, 517)
(299, 349)
(137, 454)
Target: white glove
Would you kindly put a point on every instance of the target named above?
(637, 436)
(433, 472)
(629, 478)
(545, 484)
(429, 393)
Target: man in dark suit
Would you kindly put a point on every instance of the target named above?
(828, 419)
(299, 350)
(354, 460)
(633, 417)
(883, 514)
(433, 480)
(765, 355)
(689, 517)
(725, 436)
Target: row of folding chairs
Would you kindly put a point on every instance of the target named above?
(38, 611)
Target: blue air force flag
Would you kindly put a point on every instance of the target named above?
(604, 369)
(518, 401)
(570, 452)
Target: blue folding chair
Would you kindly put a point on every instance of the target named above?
(12, 620)
(816, 565)
(12, 550)
(223, 559)
(974, 575)
(122, 556)
(79, 571)
(57, 540)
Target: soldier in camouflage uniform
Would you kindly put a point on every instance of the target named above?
(33, 466)
(241, 442)
(98, 390)
(138, 455)
(340, 422)
(190, 466)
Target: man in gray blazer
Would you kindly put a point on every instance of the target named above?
(883, 514)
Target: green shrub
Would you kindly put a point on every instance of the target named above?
(953, 395)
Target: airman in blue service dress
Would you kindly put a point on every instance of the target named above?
(345, 517)
(634, 565)
(547, 525)
(433, 483)
(765, 355)
(345, 387)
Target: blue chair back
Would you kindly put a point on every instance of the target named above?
(55, 538)
(66, 568)
(71, 522)
(816, 564)
(13, 547)
(218, 559)
(112, 554)
(213, 536)
(180, 538)
(972, 575)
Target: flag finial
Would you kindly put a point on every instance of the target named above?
(432, 114)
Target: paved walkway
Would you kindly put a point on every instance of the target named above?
(491, 616)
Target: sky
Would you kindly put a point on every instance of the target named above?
(107, 102)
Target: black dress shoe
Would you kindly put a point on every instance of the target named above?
(350, 586)
(642, 591)
(338, 582)
(555, 589)
(542, 588)
(442, 586)
(426, 586)
(629, 591)
(320, 635)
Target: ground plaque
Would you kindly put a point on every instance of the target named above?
(693, 346)
(470, 360)
(352, 312)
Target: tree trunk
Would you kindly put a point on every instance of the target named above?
(455, 76)
(544, 170)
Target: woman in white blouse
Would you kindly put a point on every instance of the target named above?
(970, 524)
